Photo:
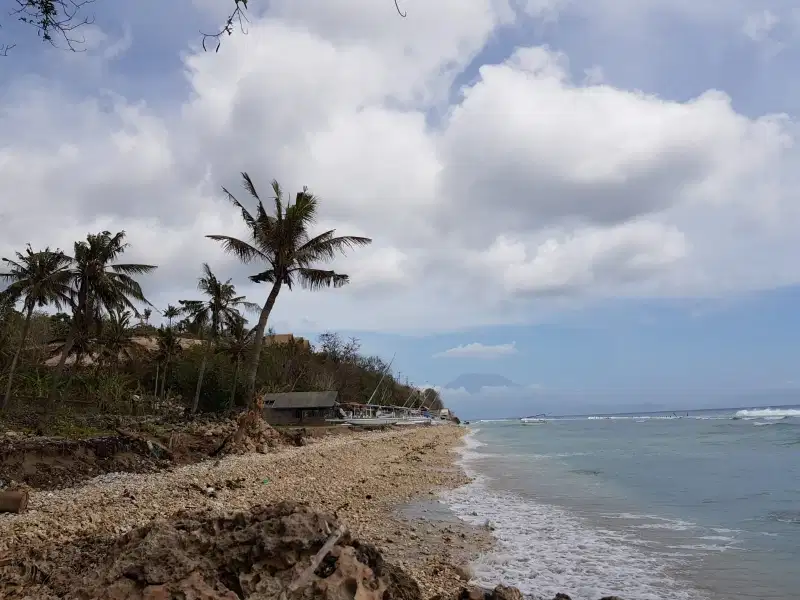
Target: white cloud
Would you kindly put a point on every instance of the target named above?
(758, 26)
(584, 258)
(479, 351)
(531, 186)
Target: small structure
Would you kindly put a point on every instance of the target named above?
(444, 413)
(300, 408)
(287, 338)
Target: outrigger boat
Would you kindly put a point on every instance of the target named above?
(534, 420)
(377, 415)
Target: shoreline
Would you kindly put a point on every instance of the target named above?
(381, 485)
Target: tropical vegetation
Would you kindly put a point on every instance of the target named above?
(76, 330)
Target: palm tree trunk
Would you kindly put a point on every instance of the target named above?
(196, 402)
(158, 371)
(25, 328)
(164, 377)
(235, 381)
(255, 357)
(73, 332)
(58, 373)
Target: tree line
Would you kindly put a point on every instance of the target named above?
(99, 348)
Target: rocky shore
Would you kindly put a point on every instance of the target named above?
(360, 479)
(324, 520)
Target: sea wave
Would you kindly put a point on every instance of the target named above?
(767, 413)
(544, 550)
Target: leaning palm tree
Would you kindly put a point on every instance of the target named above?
(38, 279)
(99, 283)
(209, 317)
(284, 247)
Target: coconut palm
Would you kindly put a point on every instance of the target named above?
(39, 279)
(168, 347)
(170, 313)
(210, 317)
(239, 343)
(282, 244)
(117, 338)
(99, 283)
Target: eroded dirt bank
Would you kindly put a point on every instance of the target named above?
(358, 479)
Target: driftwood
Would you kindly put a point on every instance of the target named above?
(155, 448)
(13, 502)
(315, 562)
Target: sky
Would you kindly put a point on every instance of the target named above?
(596, 200)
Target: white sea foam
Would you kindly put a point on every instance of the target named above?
(543, 550)
(768, 413)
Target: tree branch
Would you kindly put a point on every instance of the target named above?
(237, 17)
(54, 19)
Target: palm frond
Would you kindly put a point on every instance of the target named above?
(304, 210)
(133, 269)
(242, 250)
(250, 306)
(249, 186)
(316, 279)
(246, 216)
(279, 211)
(325, 247)
(267, 276)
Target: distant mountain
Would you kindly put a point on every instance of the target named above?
(473, 382)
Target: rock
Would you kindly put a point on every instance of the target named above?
(502, 592)
(472, 593)
(560, 596)
(255, 554)
(464, 572)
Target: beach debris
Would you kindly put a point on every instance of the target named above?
(315, 562)
(156, 449)
(14, 501)
(281, 551)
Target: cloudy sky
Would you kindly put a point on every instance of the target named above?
(592, 198)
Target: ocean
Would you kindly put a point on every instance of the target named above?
(646, 507)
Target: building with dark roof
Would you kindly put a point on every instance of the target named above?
(300, 408)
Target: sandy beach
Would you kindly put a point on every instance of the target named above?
(381, 485)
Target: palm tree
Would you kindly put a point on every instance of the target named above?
(117, 338)
(39, 279)
(99, 284)
(168, 346)
(282, 244)
(170, 313)
(239, 343)
(209, 317)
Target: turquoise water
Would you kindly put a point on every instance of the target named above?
(650, 507)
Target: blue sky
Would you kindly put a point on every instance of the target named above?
(637, 349)
(612, 188)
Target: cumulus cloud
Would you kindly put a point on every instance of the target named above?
(484, 205)
(478, 350)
